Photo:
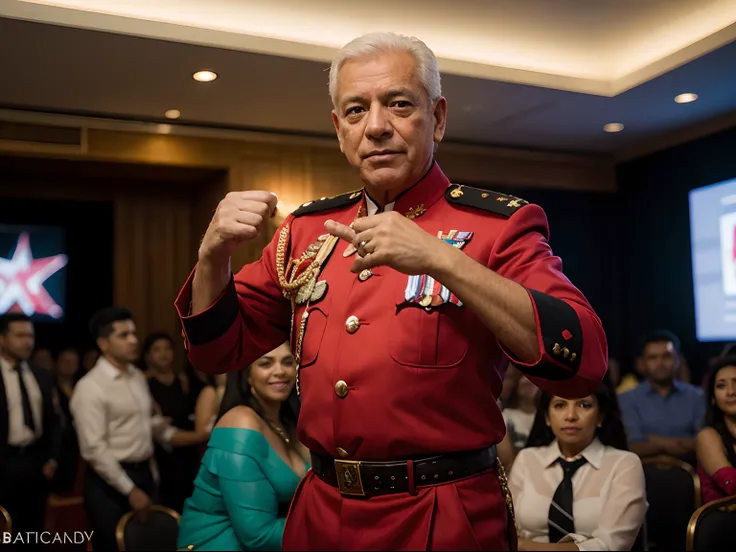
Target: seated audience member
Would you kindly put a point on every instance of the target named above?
(172, 394)
(519, 411)
(575, 486)
(252, 465)
(716, 443)
(663, 415)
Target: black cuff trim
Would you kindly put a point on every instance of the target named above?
(214, 322)
(562, 338)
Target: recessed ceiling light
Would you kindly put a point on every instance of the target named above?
(204, 76)
(172, 114)
(613, 127)
(686, 98)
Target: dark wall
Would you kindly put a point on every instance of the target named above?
(583, 234)
(655, 234)
(89, 276)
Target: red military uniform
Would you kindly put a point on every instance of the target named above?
(394, 367)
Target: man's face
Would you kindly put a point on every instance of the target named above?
(19, 341)
(385, 122)
(660, 361)
(122, 344)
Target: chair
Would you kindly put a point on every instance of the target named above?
(6, 524)
(673, 493)
(158, 532)
(711, 527)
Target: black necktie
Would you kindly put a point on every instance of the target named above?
(560, 521)
(25, 400)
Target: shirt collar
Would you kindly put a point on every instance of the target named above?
(593, 453)
(372, 207)
(676, 386)
(106, 367)
(421, 196)
(9, 367)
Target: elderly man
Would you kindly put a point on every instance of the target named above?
(404, 302)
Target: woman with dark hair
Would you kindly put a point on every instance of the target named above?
(177, 461)
(252, 465)
(716, 443)
(576, 486)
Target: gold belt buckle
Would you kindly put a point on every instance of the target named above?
(348, 477)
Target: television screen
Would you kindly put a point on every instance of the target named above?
(713, 247)
(32, 271)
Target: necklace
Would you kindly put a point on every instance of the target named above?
(279, 431)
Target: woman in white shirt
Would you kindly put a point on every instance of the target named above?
(576, 486)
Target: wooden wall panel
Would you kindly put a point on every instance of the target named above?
(153, 256)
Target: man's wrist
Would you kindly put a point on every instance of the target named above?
(442, 263)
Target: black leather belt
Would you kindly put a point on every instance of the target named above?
(356, 478)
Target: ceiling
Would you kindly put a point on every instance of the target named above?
(543, 74)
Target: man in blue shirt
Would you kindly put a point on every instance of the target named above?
(662, 415)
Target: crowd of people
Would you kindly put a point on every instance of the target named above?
(224, 451)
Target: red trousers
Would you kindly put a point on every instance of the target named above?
(468, 514)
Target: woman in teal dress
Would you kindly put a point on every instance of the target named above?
(252, 465)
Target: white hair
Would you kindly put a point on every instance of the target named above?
(377, 43)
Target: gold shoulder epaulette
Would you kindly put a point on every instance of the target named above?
(487, 200)
(326, 203)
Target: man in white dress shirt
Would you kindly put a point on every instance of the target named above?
(30, 426)
(113, 413)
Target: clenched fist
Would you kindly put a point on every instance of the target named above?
(238, 218)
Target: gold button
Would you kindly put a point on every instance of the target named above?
(341, 389)
(365, 274)
(557, 349)
(342, 452)
(352, 324)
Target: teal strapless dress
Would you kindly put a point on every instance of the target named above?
(241, 495)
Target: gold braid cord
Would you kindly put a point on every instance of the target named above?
(291, 285)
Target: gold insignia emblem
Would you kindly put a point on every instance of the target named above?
(415, 212)
(516, 203)
(319, 291)
(457, 192)
(355, 194)
(501, 198)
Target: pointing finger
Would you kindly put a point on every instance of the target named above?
(340, 230)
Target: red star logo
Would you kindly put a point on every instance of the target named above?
(22, 278)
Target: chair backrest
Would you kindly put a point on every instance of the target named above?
(6, 524)
(673, 493)
(711, 527)
(158, 532)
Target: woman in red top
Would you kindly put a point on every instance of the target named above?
(716, 443)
